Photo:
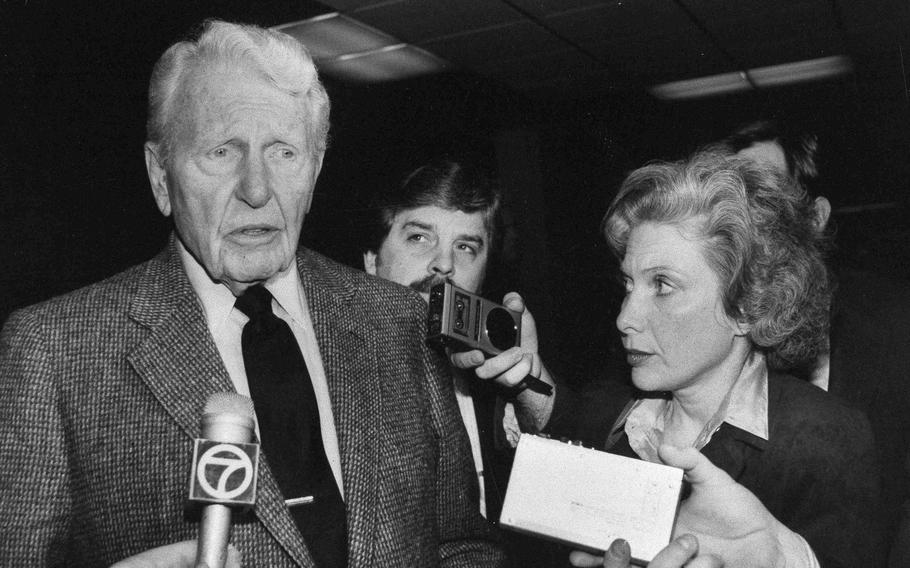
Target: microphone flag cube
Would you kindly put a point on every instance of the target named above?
(224, 473)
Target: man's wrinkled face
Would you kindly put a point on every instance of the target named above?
(239, 177)
(427, 245)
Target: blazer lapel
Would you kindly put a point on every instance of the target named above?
(178, 359)
(350, 356)
(182, 367)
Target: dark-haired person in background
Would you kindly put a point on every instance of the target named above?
(101, 390)
(442, 223)
(868, 362)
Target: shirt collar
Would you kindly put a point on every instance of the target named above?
(748, 408)
(745, 407)
(288, 292)
(218, 301)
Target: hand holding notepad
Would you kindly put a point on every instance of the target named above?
(588, 498)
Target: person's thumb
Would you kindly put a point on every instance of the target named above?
(619, 555)
(514, 302)
(683, 458)
(699, 469)
(234, 558)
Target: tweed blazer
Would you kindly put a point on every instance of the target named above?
(101, 391)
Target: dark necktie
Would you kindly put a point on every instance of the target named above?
(288, 418)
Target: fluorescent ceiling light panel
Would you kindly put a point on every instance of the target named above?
(772, 76)
(330, 35)
(347, 49)
(702, 87)
(386, 64)
(801, 71)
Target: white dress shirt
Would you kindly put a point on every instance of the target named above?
(821, 372)
(469, 417)
(226, 323)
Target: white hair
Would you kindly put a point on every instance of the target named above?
(277, 57)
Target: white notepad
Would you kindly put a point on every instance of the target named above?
(588, 498)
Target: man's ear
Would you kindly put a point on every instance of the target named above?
(369, 262)
(822, 213)
(157, 178)
(317, 167)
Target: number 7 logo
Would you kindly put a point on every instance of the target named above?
(224, 473)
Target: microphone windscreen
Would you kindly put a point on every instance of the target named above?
(226, 456)
(228, 417)
(229, 403)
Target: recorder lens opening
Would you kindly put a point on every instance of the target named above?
(501, 329)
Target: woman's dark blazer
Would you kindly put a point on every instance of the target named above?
(817, 473)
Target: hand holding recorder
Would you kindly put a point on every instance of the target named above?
(508, 336)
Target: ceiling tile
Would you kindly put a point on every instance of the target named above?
(619, 21)
(871, 13)
(667, 58)
(541, 8)
(870, 23)
(348, 6)
(418, 21)
(540, 68)
(790, 50)
(633, 42)
(521, 39)
(724, 11)
(745, 25)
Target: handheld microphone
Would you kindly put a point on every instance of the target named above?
(225, 466)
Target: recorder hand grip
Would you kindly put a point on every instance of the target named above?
(459, 319)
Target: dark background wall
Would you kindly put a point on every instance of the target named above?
(75, 205)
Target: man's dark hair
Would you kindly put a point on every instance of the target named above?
(800, 149)
(442, 183)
